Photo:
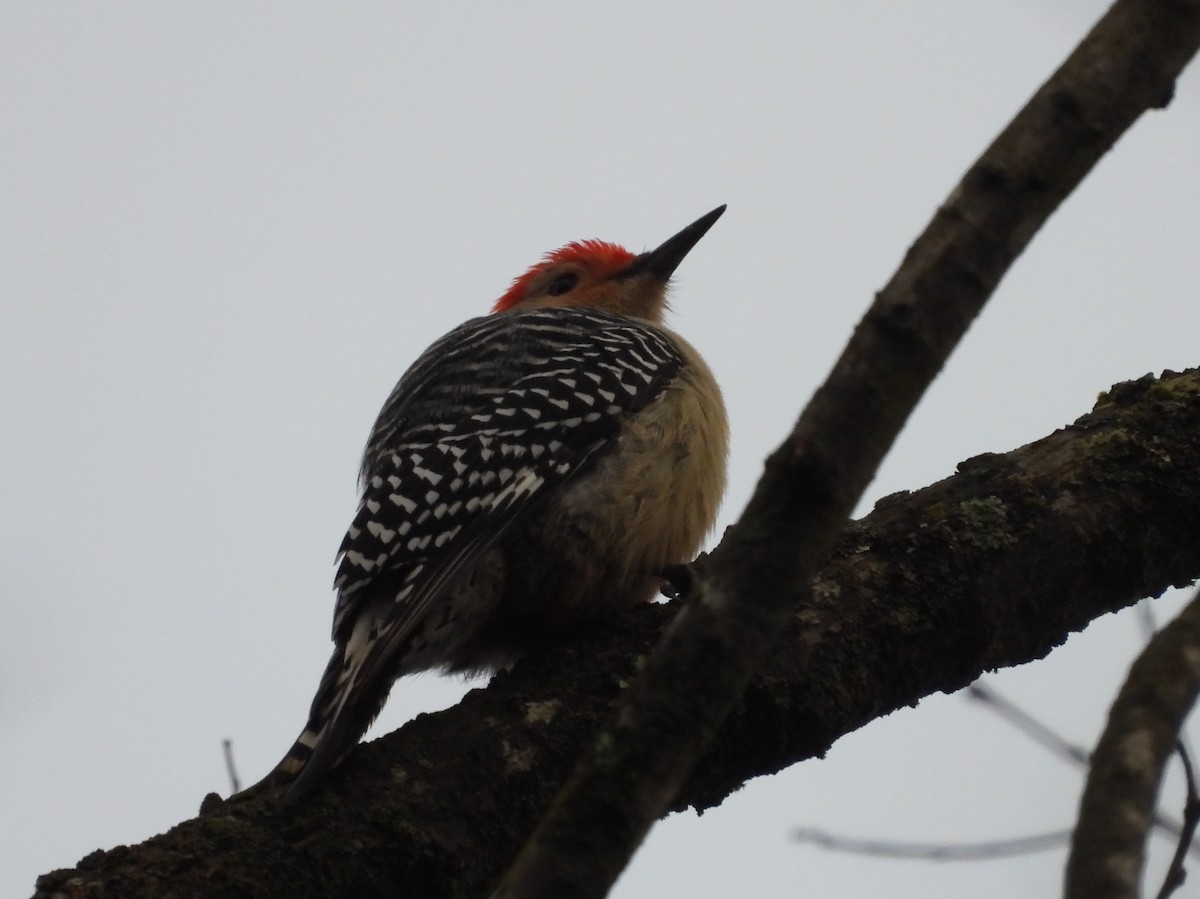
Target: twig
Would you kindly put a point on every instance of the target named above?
(235, 785)
(1147, 620)
(1116, 811)
(1027, 724)
(1058, 744)
(937, 852)
(1176, 874)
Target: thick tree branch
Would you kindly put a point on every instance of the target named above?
(1117, 809)
(992, 567)
(666, 720)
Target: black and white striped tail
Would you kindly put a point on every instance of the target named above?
(333, 729)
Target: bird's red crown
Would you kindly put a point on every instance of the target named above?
(597, 256)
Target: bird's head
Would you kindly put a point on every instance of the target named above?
(602, 275)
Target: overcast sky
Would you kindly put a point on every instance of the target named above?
(227, 228)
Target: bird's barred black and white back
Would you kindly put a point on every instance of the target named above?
(492, 417)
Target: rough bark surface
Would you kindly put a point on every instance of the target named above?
(994, 566)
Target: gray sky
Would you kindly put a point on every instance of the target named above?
(226, 229)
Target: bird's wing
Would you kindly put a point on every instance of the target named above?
(492, 417)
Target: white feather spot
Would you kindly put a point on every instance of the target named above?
(385, 535)
(408, 505)
(358, 560)
(425, 474)
(446, 536)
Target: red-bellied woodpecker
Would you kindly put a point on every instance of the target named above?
(534, 469)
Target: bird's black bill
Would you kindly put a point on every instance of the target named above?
(663, 261)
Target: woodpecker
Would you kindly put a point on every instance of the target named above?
(534, 470)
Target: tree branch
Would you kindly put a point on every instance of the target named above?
(1177, 873)
(1117, 809)
(760, 572)
(992, 567)
(934, 852)
(1071, 753)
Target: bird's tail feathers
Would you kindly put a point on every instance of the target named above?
(337, 720)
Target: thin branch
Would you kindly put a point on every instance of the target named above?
(1059, 745)
(1147, 620)
(742, 600)
(992, 849)
(935, 852)
(1116, 811)
(235, 785)
(1028, 725)
(1191, 817)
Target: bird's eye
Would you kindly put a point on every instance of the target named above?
(562, 284)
